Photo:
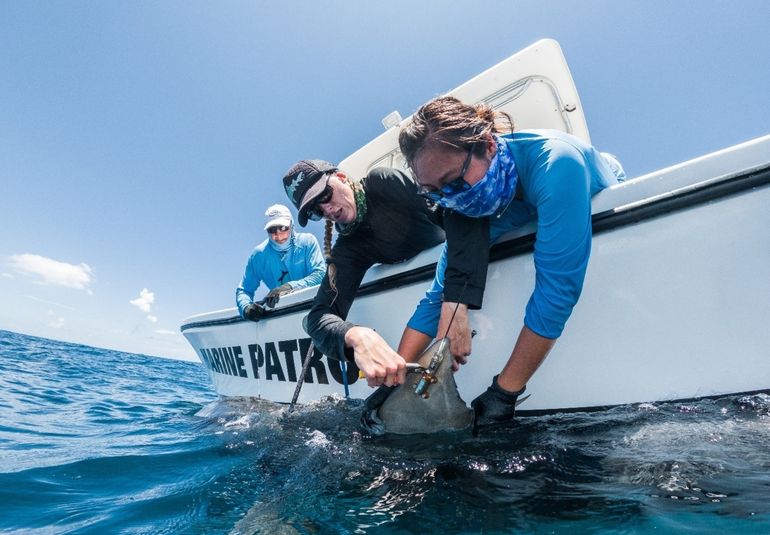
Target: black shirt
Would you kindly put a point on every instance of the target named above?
(398, 224)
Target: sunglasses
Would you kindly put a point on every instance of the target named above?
(453, 187)
(280, 228)
(314, 211)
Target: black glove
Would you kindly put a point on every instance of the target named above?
(272, 297)
(370, 420)
(495, 406)
(253, 311)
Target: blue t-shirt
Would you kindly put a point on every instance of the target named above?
(558, 174)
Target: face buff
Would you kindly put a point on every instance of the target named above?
(283, 247)
(487, 195)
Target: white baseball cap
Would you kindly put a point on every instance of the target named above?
(277, 215)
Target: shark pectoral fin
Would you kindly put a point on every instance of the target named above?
(370, 418)
(371, 423)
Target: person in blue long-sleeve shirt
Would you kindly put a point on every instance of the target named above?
(284, 262)
(493, 182)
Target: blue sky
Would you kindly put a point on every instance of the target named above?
(140, 142)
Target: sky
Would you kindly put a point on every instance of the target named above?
(142, 141)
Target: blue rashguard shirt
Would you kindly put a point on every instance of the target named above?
(558, 174)
(301, 265)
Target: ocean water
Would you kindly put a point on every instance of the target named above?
(98, 441)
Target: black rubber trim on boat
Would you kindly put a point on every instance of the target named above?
(601, 222)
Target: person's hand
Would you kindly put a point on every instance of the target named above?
(275, 294)
(253, 311)
(495, 406)
(459, 333)
(375, 358)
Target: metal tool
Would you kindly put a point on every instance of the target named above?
(412, 367)
(429, 374)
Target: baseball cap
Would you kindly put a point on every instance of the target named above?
(303, 183)
(277, 215)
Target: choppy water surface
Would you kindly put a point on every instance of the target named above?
(98, 441)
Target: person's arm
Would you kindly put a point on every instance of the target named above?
(340, 339)
(527, 356)
(561, 193)
(467, 258)
(425, 318)
(563, 240)
(244, 294)
(326, 323)
(413, 343)
(468, 247)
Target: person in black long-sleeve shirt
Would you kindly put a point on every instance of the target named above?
(380, 219)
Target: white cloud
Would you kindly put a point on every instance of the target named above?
(144, 301)
(152, 318)
(6, 275)
(49, 272)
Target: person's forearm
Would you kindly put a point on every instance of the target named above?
(413, 344)
(455, 326)
(242, 299)
(328, 333)
(528, 353)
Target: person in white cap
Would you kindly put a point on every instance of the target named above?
(284, 262)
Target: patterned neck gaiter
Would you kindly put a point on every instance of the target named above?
(487, 195)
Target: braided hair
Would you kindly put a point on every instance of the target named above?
(331, 269)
